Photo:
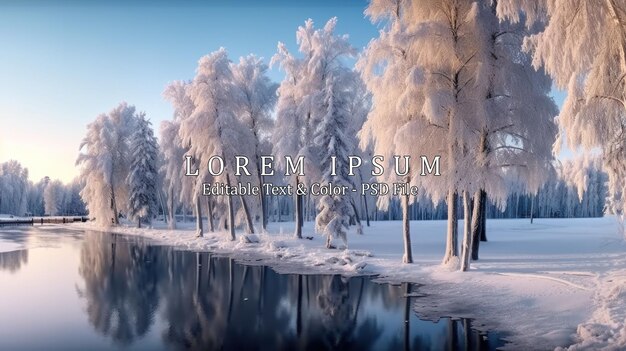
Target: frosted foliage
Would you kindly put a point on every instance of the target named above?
(321, 105)
(212, 127)
(258, 97)
(53, 198)
(448, 78)
(143, 175)
(519, 10)
(104, 163)
(300, 106)
(334, 210)
(177, 185)
(583, 48)
(258, 94)
(576, 189)
(72, 202)
(420, 76)
(13, 188)
(173, 156)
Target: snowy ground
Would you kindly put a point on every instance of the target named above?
(555, 283)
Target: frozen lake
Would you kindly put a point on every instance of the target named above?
(62, 288)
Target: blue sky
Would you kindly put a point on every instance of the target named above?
(64, 62)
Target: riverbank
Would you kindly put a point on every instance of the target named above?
(551, 284)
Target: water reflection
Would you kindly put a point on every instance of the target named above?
(12, 261)
(199, 301)
(120, 286)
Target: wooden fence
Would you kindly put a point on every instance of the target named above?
(42, 220)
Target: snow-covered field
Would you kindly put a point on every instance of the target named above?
(551, 284)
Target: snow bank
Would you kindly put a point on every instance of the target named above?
(555, 283)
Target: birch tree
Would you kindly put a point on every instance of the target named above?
(431, 52)
(517, 129)
(104, 164)
(583, 48)
(212, 129)
(179, 189)
(258, 96)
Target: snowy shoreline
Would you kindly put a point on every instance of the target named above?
(547, 285)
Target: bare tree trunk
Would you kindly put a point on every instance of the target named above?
(451, 240)
(246, 211)
(329, 242)
(210, 213)
(467, 233)
(262, 198)
(483, 216)
(231, 214)
(199, 229)
(306, 208)
(298, 212)
(138, 222)
(367, 213)
(406, 230)
(476, 223)
(302, 218)
(172, 210)
(163, 206)
(532, 208)
(116, 220)
(356, 217)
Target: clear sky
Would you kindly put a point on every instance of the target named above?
(64, 62)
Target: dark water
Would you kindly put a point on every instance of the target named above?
(93, 291)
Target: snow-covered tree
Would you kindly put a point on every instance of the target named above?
(73, 204)
(178, 188)
(431, 54)
(13, 188)
(258, 96)
(143, 175)
(291, 125)
(53, 197)
(104, 161)
(387, 69)
(358, 107)
(449, 73)
(302, 97)
(213, 129)
(583, 48)
(517, 129)
(334, 210)
(35, 204)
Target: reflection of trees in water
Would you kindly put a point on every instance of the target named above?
(120, 286)
(456, 334)
(13, 260)
(212, 303)
(332, 320)
(225, 305)
(234, 307)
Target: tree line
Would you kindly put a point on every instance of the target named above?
(19, 196)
